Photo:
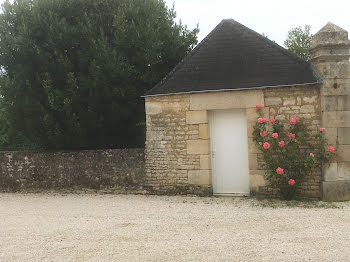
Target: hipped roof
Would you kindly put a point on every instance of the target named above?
(234, 57)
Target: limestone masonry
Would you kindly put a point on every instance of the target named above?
(178, 140)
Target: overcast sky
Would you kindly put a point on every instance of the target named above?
(272, 17)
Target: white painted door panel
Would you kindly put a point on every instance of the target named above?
(229, 151)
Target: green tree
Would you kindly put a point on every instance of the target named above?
(74, 71)
(298, 41)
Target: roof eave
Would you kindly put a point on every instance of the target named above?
(236, 89)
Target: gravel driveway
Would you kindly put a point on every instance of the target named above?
(49, 227)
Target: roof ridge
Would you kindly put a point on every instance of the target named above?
(189, 55)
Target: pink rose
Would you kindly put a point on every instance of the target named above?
(331, 149)
(297, 119)
(281, 144)
(275, 135)
(261, 120)
(263, 133)
(322, 129)
(260, 143)
(291, 182)
(280, 171)
(312, 155)
(293, 121)
(291, 136)
(266, 145)
(272, 120)
(258, 106)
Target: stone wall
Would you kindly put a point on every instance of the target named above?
(174, 136)
(285, 103)
(99, 170)
(330, 55)
(178, 139)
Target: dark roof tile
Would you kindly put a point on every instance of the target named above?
(233, 56)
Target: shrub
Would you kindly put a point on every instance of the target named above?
(290, 152)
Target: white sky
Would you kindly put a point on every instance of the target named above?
(272, 17)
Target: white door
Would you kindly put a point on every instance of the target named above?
(229, 152)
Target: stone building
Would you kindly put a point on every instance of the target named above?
(200, 117)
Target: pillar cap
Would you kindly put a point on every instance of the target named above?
(330, 34)
(330, 43)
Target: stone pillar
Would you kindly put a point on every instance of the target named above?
(330, 55)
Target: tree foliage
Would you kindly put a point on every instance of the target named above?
(74, 71)
(298, 41)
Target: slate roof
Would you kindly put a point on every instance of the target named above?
(233, 57)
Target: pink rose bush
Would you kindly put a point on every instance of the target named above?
(331, 149)
(266, 145)
(261, 120)
(290, 153)
(279, 171)
(263, 133)
(258, 106)
(291, 182)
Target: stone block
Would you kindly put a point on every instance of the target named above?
(226, 100)
(252, 147)
(336, 87)
(336, 119)
(344, 170)
(153, 108)
(256, 181)
(336, 190)
(273, 101)
(250, 128)
(253, 161)
(252, 114)
(307, 109)
(197, 117)
(333, 70)
(330, 172)
(257, 173)
(204, 131)
(199, 177)
(198, 147)
(205, 162)
(331, 135)
(344, 103)
(343, 153)
(329, 103)
(344, 135)
(310, 99)
(289, 101)
(298, 101)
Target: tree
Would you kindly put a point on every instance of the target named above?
(298, 41)
(74, 71)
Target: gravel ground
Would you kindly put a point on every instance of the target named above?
(53, 227)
